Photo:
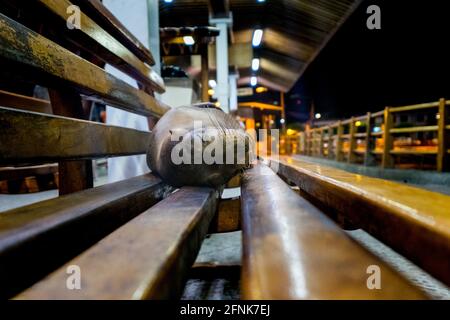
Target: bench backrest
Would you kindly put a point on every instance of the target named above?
(57, 62)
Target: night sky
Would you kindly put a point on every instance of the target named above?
(361, 70)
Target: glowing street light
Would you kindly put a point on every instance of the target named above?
(317, 116)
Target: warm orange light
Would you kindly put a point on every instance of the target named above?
(210, 92)
(261, 89)
(290, 132)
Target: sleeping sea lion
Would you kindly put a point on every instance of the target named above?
(198, 145)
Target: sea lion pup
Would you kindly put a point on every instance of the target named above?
(198, 145)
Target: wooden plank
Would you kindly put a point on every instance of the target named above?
(387, 160)
(377, 114)
(414, 222)
(442, 161)
(30, 138)
(95, 39)
(102, 16)
(45, 61)
(14, 173)
(147, 258)
(415, 107)
(412, 151)
(47, 234)
(293, 251)
(414, 129)
(13, 100)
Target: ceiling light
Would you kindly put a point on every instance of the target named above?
(257, 37)
(255, 64)
(188, 40)
(253, 81)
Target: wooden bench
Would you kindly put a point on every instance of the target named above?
(138, 238)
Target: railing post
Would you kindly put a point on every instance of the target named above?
(388, 159)
(442, 154)
(308, 143)
(368, 158)
(330, 142)
(340, 130)
(351, 142)
(321, 143)
(303, 142)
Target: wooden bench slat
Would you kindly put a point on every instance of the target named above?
(293, 251)
(101, 15)
(14, 173)
(14, 100)
(29, 137)
(25, 47)
(413, 221)
(38, 238)
(147, 258)
(99, 40)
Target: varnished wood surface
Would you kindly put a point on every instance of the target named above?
(102, 16)
(147, 258)
(48, 62)
(414, 222)
(293, 251)
(13, 100)
(36, 239)
(109, 49)
(14, 173)
(228, 216)
(28, 138)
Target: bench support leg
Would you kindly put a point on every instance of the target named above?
(73, 175)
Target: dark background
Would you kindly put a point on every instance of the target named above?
(360, 70)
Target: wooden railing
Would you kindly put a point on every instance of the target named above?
(376, 143)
